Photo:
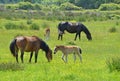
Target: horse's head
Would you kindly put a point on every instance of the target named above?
(89, 37)
(49, 55)
(56, 49)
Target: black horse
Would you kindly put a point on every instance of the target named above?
(73, 28)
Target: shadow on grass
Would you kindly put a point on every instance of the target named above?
(11, 66)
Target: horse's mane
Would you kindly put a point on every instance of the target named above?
(84, 28)
(44, 46)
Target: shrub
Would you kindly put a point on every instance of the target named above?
(45, 24)
(11, 25)
(29, 21)
(112, 30)
(34, 26)
(69, 6)
(25, 5)
(110, 6)
(113, 64)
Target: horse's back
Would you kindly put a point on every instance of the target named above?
(27, 43)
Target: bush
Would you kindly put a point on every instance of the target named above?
(34, 26)
(11, 25)
(25, 5)
(110, 6)
(112, 30)
(113, 64)
(69, 6)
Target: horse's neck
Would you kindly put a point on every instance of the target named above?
(44, 46)
(85, 30)
(62, 49)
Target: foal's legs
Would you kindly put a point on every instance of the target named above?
(66, 58)
(31, 57)
(63, 58)
(80, 57)
(74, 57)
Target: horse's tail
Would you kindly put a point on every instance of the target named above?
(13, 47)
(80, 51)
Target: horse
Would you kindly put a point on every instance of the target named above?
(47, 33)
(73, 28)
(68, 50)
(29, 44)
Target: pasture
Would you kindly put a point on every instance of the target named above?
(104, 45)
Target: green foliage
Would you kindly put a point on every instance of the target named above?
(112, 30)
(34, 26)
(29, 21)
(110, 6)
(25, 5)
(69, 6)
(11, 25)
(113, 64)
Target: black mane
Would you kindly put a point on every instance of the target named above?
(44, 46)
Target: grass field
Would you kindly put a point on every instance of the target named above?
(104, 45)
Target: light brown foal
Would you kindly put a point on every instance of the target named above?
(68, 50)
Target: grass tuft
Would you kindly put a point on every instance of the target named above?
(11, 66)
(113, 64)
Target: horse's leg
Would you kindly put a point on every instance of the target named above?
(74, 57)
(79, 36)
(66, 58)
(58, 36)
(36, 54)
(31, 57)
(22, 53)
(75, 36)
(17, 58)
(80, 57)
(63, 57)
(16, 51)
(61, 37)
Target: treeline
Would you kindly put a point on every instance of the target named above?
(86, 4)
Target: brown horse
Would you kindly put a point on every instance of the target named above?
(47, 33)
(29, 44)
(68, 50)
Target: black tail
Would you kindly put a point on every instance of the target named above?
(13, 47)
(80, 51)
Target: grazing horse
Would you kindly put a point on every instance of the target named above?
(73, 28)
(68, 50)
(47, 33)
(29, 44)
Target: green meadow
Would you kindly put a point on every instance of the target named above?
(105, 45)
